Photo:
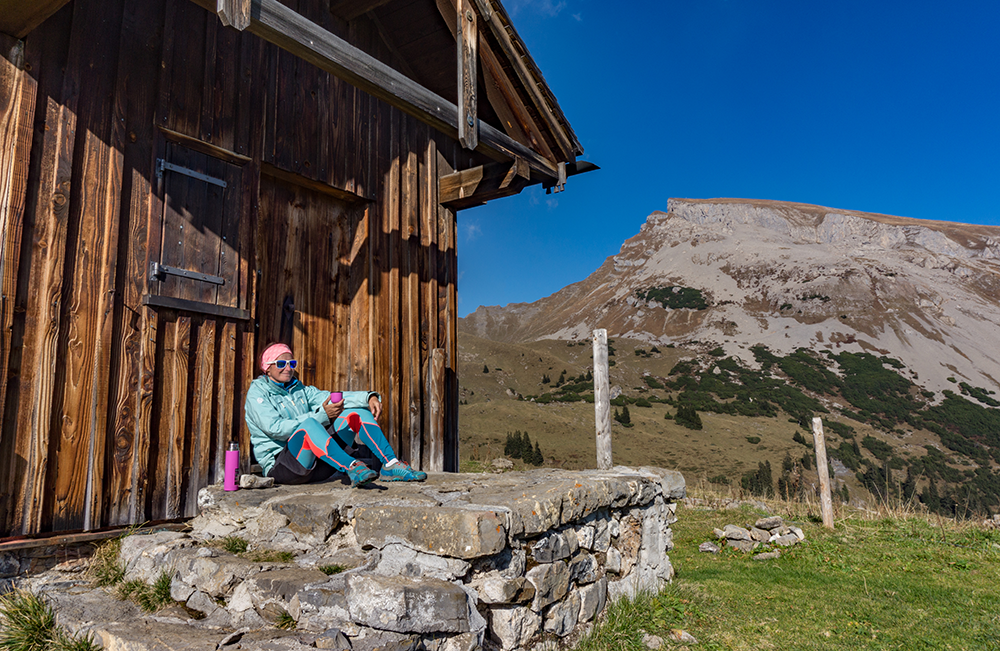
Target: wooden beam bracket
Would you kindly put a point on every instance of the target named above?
(477, 185)
(234, 13)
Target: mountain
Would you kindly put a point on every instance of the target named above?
(737, 321)
(788, 276)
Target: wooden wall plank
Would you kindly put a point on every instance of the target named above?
(432, 447)
(435, 410)
(44, 313)
(91, 262)
(17, 115)
(225, 385)
(173, 416)
(202, 399)
(390, 289)
(411, 369)
(135, 101)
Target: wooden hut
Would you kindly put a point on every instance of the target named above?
(184, 181)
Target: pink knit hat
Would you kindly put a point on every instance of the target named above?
(272, 353)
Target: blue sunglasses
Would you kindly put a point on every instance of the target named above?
(281, 363)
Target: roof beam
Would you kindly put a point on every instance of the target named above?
(290, 31)
(477, 185)
(19, 17)
(496, 34)
(467, 42)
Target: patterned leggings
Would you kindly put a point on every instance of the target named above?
(312, 441)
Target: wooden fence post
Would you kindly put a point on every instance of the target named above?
(822, 469)
(602, 399)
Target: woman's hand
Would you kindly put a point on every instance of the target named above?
(334, 409)
(375, 407)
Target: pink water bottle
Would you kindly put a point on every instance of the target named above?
(232, 466)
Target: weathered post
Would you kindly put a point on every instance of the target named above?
(822, 469)
(602, 399)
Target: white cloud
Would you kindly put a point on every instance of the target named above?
(548, 8)
(552, 203)
(578, 17)
(471, 231)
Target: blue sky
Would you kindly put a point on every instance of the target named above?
(889, 107)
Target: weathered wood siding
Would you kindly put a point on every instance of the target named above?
(328, 234)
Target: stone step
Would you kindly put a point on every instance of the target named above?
(459, 562)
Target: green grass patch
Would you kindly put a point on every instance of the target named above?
(149, 597)
(285, 621)
(28, 623)
(901, 582)
(330, 570)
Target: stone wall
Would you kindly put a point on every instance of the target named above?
(460, 562)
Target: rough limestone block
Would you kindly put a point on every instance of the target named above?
(310, 517)
(786, 540)
(551, 548)
(628, 543)
(140, 634)
(562, 617)
(602, 533)
(265, 528)
(215, 575)
(180, 591)
(472, 641)
(333, 640)
(798, 532)
(572, 540)
(760, 535)
(145, 556)
(400, 560)
(9, 565)
(744, 546)
(593, 598)
(441, 530)
(583, 568)
(733, 532)
(708, 547)
(283, 584)
(672, 483)
(201, 602)
(408, 606)
(322, 606)
(585, 536)
(613, 560)
(772, 522)
(501, 590)
(513, 627)
(551, 581)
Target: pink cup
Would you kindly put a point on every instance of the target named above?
(336, 396)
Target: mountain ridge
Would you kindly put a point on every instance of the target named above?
(788, 275)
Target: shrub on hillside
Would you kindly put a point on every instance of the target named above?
(688, 417)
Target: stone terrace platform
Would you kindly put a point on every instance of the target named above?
(459, 562)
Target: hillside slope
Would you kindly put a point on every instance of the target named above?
(789, 276)
(757, 316)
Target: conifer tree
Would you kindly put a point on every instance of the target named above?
(486, 369)
(527, 451)
(537, 459)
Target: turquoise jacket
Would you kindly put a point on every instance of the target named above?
(273, 413)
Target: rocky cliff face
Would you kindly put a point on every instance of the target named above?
(789, 275)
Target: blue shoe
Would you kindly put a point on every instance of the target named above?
(361, 474)
(401, 472)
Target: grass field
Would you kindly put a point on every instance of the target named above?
(877, 581)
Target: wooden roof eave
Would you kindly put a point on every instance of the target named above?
(287, 29)
(18, 17)
(501, 34)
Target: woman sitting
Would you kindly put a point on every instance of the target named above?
(291, 424)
